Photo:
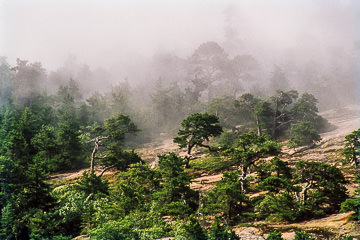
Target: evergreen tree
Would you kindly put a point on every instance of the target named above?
(352, 147)
(196, 129)
(175, 196)
(228, 197)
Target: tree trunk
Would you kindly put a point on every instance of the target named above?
(258, 124)
(308, 186)
(96, 147)
(243, 177)
(273, 132)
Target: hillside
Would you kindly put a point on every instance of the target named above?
(343, 120)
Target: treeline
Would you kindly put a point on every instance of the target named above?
(169, 88)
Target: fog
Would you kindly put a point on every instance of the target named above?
(118, 40)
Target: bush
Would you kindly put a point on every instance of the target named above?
(122, 229)
(92, 184)
(211, 164)
(279, 207)
(219, 231)
(190, 230)
(303, 133)
(303, 236)
(274, 235)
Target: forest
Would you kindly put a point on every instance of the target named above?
(218, 112)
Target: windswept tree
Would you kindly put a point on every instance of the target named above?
(109, 144)
(196, 129)
(250, 148)
(323, 187)
(282, 116)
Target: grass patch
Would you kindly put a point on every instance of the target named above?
(211, 164)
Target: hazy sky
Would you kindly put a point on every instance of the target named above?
(105, 33)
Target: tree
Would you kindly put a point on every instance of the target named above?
(89, 183)
(168, 104)
(282, 116)
(111, 136)
(7, 204)
(45, 143)
(257, 110)
(175, 196)
(5, 82)
(278, 79)
(219, 231)
(303, 133)
(208, 61)
(280, 201)
(323, 187)
(223, 108)
(190, 230)
(227, 197)
(69, 144)
(352, 147)
(196, 129)
(69, 93)
(305, 109)
(251, 148)
(134, 188)
(29, 81)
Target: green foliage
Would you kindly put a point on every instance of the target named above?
(219, 231)
(211, 164)
(228, 196)
(41, 134)
(196, 129)
(305, 109)
(275, 184)
(122, 229)
(303, 133)
(223, 108)
(352, 147)
(111, 139)
(303, 236)
(279, 207)
(317, 188)
(280, 167)
(226, 139)
(35, 236)
(274, 235)
(282, 115)
(134, 188)
(190, 229)
(353, 204)
(69, 145)
(89, 184)
(249, 148)
(255, 110)
(175, 196)
(325, 189)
